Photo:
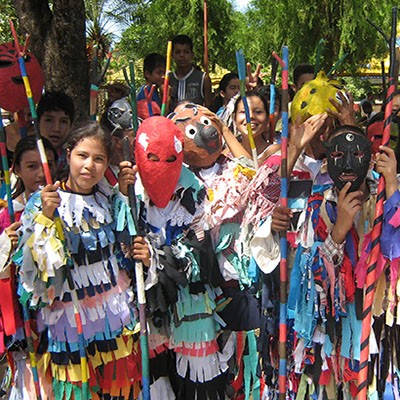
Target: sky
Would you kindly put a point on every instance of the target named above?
(240, 5)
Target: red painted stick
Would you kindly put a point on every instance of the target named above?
(376, 230)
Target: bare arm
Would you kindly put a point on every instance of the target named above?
(301, 135)
(234, 145)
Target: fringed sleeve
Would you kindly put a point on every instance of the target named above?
(261, 195)
(126, 227)
(40, 255)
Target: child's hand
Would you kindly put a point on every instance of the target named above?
(386, 165)
(281, 219)
(301, 135)
(126, 176)
(349, 204)
(12, 233)
(252, 78)
(141, 251)
(345, 109)
(50, 199)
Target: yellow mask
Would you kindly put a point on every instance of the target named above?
(313, 97)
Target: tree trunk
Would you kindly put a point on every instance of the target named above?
(57, 38)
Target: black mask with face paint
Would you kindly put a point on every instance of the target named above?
(349, 156)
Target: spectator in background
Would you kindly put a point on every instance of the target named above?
(228, 87)
(154, 72)
(302, 74)
(116, 91)
(56, 114)
(187, 82)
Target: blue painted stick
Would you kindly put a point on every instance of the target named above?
(242, 78)
(283, 240)
(272, 94)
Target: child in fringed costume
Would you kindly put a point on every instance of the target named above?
(328, 275)
(307, 172)
(226, 180)
(100, 279)
(27, 168)
(182, 281)
(236, 206)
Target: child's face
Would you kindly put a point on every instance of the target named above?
(30, 169)
(396, 104)
(182, 55)
(258, 117)
(54, 126)
(156, 77)
(304, 78)
(231, 90)
(87, 163)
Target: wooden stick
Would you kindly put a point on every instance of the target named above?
(166, 80)
(241, 63)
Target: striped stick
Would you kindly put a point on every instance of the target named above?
(28, 91)
(241, 63)
(32, 108)
(31, 350)
(166, 79)
(130, 80)
(284, 62)
(383, 77)
(96, 81)
(22, 123)
(46, 170)
(6, 169)
(94, 88)
(144, 344)
(94, 91)
(23, 128)
(371, 278)
(272, 95)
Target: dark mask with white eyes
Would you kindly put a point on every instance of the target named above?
(349, 156)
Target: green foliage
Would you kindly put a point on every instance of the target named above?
(300, 25)
(7, 12)
(266, 26)
(155, 22)
(97, 32)
(360, 86)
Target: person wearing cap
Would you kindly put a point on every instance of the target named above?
(116, 91)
